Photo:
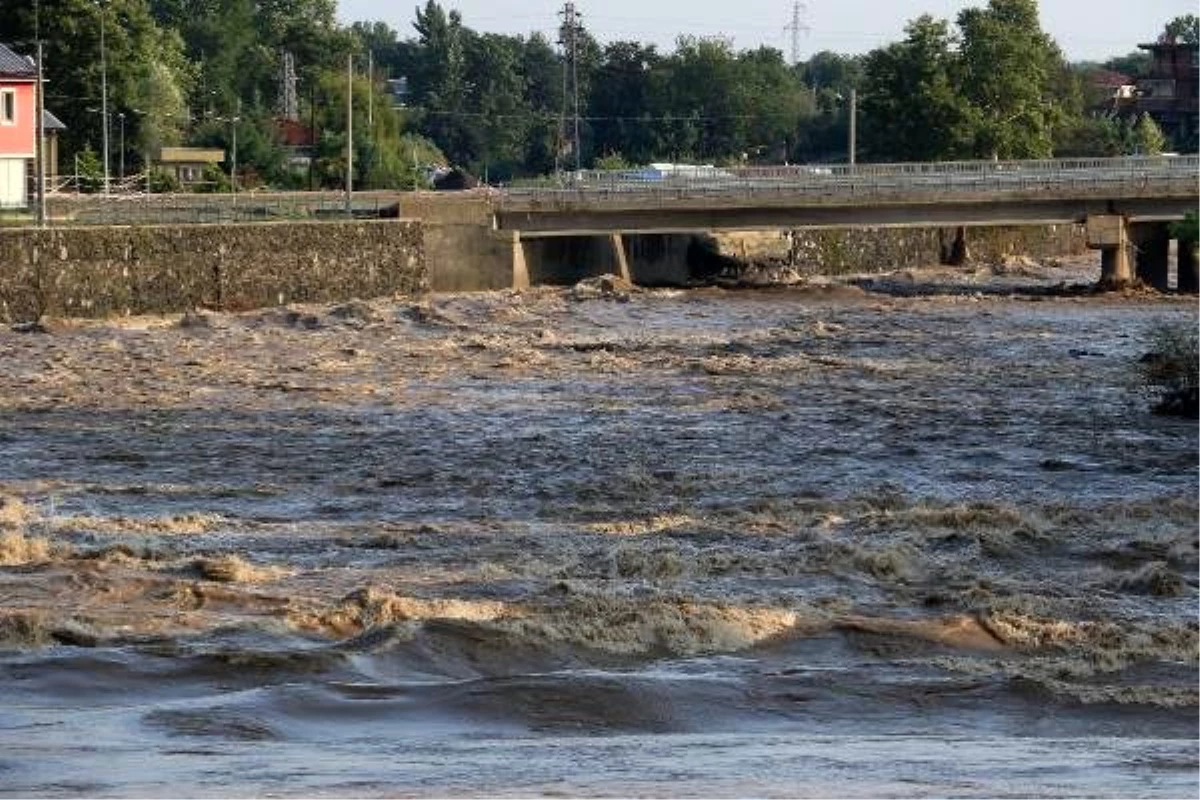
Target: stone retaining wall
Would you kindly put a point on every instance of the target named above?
(838, 252)
(104, 271)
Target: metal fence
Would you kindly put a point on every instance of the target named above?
(143, 208)
(649, 184)
(128, 202)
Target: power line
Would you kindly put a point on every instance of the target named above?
(648, 118)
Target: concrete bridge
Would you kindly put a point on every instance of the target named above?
(1127, 205)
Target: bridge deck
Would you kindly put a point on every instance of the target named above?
(988, 192)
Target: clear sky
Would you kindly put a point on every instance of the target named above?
(1084, 29)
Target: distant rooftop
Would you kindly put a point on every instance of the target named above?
(15, 66)
(190, 155)
(51, 122)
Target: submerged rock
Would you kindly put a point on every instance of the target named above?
(605, 287)
(39, 325)
(1179, 402)
(1156, 579)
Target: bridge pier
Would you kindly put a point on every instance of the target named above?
(564, 260)
(1189, 279)
(1152, 244)
(520, 267)
(617, 242)
(954, 252)
(1109, 233)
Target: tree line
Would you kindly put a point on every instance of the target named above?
(990, 84)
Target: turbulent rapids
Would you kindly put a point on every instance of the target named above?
(821, 540)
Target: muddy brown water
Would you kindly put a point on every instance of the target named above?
(817, 541)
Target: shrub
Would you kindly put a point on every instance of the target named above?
(1170, 369)
(163, 182)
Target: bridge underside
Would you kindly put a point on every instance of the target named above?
(596, 219)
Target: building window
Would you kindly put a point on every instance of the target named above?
(8, 107)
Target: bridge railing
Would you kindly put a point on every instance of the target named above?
(865, 179)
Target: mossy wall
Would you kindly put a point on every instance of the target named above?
(838, 252)
(105, 271)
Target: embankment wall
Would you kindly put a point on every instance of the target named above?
(103, 271)
(829, 252)
(681, 259)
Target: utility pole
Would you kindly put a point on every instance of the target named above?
(237, 117)
(796, 27)
(40, 150)
(853, 143)
(104, 93)
(40, 144)
(121, 148)
(569, 39)
(349, 134)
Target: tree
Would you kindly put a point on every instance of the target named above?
(542, 70)
(1184, 30)
(621, 99)
(500, 118)
(913, 109)
(770, 101)
(441, 79)
(1090, 137)
(833, 71)
(1147, 138)
(143, 66)
(1008, 71)
(701, 100)
(1135, 65)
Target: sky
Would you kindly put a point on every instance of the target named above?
(1086, 30)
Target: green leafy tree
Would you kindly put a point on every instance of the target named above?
(500, 115)
(1184, 30)
(1090, 137)
(770, 101)
(913, 109)
(1146, 138)
(1008, 71)
(621, 100)
(142, 64)
(702, 100)
(1135, 65)
(441, 79)
(542, 70)
(831, 71)
(89, 170)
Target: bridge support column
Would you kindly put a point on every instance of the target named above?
(617, 242)
(1152, 242)
(520, 266)
(1189, 279)
(1109, 233)
(954, 252)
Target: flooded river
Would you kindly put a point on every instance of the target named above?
(818, 541)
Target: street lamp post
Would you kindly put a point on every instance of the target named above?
(121, 172)
(349, 134)
(853, 134)
(233, 164)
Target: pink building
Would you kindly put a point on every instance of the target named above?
(18, 131)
